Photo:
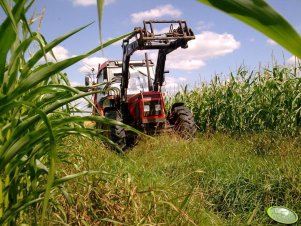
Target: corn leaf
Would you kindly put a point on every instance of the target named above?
(100, 6)
(45, 72)
(262, 17)
(39, 54)
(7, 28)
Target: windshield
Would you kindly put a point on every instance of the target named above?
(138, 80)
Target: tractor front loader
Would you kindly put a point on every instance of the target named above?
(132, 88)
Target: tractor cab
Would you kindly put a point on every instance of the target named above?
(130, 90)
(143, 104)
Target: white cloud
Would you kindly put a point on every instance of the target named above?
(174, 84)
(252, 40)
(205, 46)
(186, 64)
(89, 2)
(293, 60)
(60, 53)
(271, 42)
(90, 63)
(162, 30)
(160, 11)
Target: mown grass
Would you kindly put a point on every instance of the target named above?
(212, 180)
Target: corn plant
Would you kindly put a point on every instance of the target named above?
(35, 115)
(268, 100)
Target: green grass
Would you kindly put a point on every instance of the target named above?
(212, 180)
(35, 114)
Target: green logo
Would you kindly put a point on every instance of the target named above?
(282, 215)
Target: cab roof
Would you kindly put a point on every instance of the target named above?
(118, 63)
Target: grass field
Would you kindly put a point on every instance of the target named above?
(215, 179)
(211, 180)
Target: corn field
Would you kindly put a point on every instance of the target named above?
(268, 100)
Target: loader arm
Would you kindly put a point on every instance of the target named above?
(146, 39)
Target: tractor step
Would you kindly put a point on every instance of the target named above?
(167, 129)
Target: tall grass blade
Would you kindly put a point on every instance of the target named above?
(40, 53)
(74, 176)
(35, 113)
(46, 71)
(261, 16)
(6, 41)
(100, 7)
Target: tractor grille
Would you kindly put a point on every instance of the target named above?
(152, 108)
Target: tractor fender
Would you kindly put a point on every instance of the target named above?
(171, 110)
(176, 105)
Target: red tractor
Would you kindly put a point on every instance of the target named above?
(132, 89)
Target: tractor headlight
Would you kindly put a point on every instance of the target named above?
(152, 108)
(158, 107)
(146, 108)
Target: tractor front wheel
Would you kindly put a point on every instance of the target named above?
(183, 122)
(116, 133)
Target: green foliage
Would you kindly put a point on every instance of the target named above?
(35, 113)
(259, 15)
(35, 116)
(248, 101)
(211, 180)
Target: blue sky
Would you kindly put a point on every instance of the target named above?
(221, 46)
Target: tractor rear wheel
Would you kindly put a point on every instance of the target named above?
(183, 122)
(116, 133)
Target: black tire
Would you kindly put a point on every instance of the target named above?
(183, 122)
(116, 133)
